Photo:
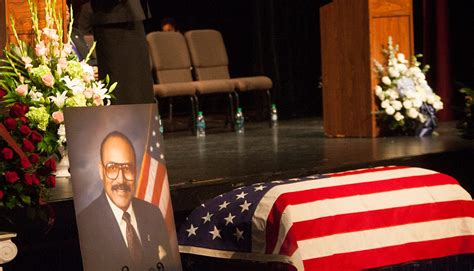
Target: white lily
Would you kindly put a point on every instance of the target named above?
(59, 100)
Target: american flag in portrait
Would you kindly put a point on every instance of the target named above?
(153, 183)
(343, 221)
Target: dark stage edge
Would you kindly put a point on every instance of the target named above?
(201, 168)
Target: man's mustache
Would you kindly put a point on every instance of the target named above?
(121, 186)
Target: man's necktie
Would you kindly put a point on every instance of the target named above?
(134, 245)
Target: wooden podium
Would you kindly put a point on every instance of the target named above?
(19, 10)
(352, 35)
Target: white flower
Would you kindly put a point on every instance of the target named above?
(401, 68)
(62, 133)
(378, 90)
(412, 113)
(88, 74)
(415, 70)
(397, 105)
(421, 118)
(438, 105)
(76, 85)
(385, 104)
(417, 103)
(50, 33)
(386, 80)
(407, 104)
(27, 60)
(389, 110)
(393, 94)
(67, 48)
(35, 96)
(100, 91)
(394, 73)
(398, 116)
(401, 58)
(59, 99)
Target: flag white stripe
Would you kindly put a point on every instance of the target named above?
(165, 196)
(365, 203)
(384, 237)
(150, 186)
(263, 209)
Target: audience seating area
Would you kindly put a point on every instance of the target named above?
(197, 66)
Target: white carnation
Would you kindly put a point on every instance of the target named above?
(386, 80)
(401, 68)
(378, 90)
(412, 113)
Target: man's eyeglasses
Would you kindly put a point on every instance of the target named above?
(112, 170)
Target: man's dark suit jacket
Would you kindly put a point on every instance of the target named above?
(102, 245)
(122, 51)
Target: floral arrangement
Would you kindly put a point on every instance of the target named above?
(36, 83)
(467, 125)
(406, 101)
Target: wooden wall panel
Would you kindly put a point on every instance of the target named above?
(352, 35)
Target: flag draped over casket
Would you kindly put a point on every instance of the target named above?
(343, 221)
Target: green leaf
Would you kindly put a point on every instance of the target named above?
(26, 199)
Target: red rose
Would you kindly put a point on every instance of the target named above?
(51, 164)
(18, 110)
(28, 178)
(25, 130)
(28, 146)
(51, 181)
(7, 153)
(2, 93)
(23, 120)
(11, 176)
(10, 123)
(25, 163)
(31, 178)
(2, 194)
(36, 137)
(34, 158)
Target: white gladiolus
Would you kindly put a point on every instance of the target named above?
(412, 113)
(386, 80)
(407, 104)
(385, 104)
(398, 116)
(390, 110)
(397, 105)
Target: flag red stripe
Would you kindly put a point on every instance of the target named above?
(366, 170)
(393, 255)
(142, 184)
(311, 195)
(159, 180)
(374, 219)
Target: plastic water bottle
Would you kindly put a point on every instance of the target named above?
(239, 121)
(200, 125)
(273, 116)
(160, 123)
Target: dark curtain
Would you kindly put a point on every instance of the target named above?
(448, 28)
(287, 45)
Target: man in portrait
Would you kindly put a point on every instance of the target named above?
(117, 230)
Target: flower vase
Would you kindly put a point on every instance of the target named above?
(62, 169)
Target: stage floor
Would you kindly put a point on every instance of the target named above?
(200, 168)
